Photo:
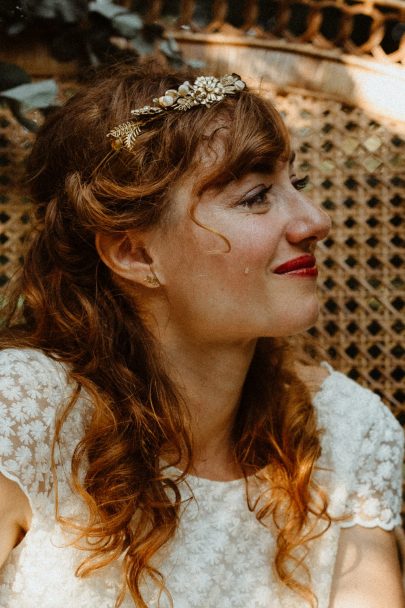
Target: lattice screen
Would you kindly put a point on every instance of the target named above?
(15, 142)
(357, 171)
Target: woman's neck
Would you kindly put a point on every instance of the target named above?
(210, 378)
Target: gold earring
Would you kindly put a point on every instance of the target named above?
(152, 280)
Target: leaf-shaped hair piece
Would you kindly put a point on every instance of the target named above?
(205, 91)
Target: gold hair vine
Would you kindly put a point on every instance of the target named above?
(205, 91)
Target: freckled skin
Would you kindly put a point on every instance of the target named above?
(208, 289)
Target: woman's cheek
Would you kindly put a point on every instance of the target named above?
(256, 252)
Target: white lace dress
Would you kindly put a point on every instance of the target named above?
(221, 556)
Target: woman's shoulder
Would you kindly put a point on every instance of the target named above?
(340, 400)
(25, 354)
(362, 443)
(32, 371)
(344, 404)
(34, 388)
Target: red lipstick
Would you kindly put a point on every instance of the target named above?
(304, 266)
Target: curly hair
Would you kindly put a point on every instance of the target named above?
(68, 303)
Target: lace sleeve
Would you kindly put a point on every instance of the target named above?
(31, 387)
(376, 492)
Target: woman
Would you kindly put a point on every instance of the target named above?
(148, 389)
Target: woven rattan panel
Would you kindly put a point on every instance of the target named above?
(15, 142)
(357, 172)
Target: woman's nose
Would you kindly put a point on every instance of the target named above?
(309, 222)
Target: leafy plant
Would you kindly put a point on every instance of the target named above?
(90, 33)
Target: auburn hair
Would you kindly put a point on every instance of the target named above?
(67, 303)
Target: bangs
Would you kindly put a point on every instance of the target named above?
(250, 136)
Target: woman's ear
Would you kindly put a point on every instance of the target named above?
(127, 256)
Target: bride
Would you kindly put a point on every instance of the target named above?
(163, 441)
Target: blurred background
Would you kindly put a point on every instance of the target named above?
(334, 69)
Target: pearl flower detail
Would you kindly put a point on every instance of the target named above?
(205, 91)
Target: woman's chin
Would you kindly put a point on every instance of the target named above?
(299, 321)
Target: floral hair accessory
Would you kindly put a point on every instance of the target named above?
(205, 91)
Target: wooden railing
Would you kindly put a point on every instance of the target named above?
(362, 27)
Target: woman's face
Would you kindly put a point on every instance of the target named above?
(220, 295)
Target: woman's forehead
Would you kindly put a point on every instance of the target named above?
(198, 183)
(212, 171)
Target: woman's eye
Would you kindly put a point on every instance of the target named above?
(299, 184)
(258, 199)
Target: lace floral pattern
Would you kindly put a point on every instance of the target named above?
(220, 555)
(365, 445)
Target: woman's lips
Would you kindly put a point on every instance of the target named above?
(303, 266)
